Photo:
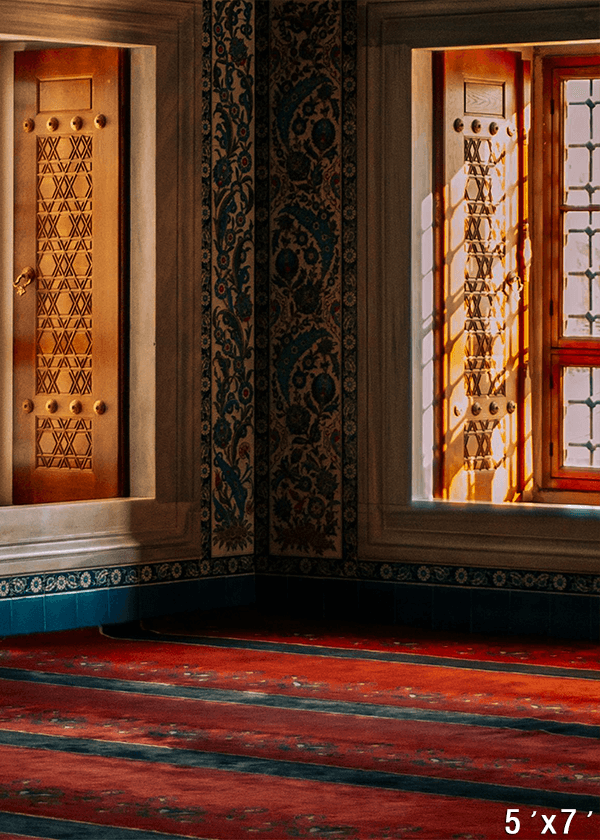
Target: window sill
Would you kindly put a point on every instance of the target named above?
(38, 538)
(522, 535)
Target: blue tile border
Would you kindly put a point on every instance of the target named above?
(115, 577)
(28, 615)
(60, 611)
(428, 573)
(5, 618)
(92, 607)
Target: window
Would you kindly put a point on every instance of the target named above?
(572, 272)
(400, 515)
(481, 102)
(479, 128)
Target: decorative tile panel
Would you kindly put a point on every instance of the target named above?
(206, 285)
(232, 264)
(262, 277)
(306, 278)
(349, 284)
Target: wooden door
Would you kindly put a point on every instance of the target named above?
(481, 287)
(67, 307)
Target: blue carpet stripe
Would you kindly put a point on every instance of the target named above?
(50, 828)
(308, 704)
(302, 771)
(133, 632)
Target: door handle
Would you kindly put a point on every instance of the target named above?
(512, 284)
(24, 279)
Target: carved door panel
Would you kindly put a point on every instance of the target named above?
(481, 283)
(67, 260)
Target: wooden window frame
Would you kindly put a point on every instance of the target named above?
(560, 351)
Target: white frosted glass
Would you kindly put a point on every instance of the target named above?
(577, 90)
(576, 326)
(577, 167)
(581, 423)
(576, 252)
(576, 383)
(577, 297)
(577, 456)
(595, 383)
(576, 220)
(595, 290)
(577, 424)
(577, 196)
(581, 273)
(577, 124)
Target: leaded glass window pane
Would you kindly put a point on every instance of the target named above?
(582, 141)
(581, 423)
(581, 256)
(581, 228)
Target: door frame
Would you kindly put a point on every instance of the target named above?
(154, 522)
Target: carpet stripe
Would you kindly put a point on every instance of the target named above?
(51, 828)
(136, 634)
(302, 771)
(284, 701)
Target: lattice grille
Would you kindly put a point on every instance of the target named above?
(484, 245)
(64, 255)
(478, 452)
(63, 443)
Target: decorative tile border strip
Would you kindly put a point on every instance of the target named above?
(206, 281)
(111, 577)
(422, 573)
(306, 335)
(349, 282)
(262, 488)
(232, 231)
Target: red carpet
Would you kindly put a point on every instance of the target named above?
(229, 725)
